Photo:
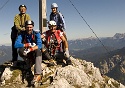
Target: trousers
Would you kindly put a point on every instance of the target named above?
(35, 56)
(14, 50)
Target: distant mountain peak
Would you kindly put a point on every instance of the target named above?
(119, 36)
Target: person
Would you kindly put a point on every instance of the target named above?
(30, 44)
(19, 25)
(57, 17)
(53, 39)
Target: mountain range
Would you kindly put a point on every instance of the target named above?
(110, 58)
(116, 42)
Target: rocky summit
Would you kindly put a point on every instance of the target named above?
(81, 74)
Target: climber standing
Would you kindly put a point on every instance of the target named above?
(53, 40)
(29, 44)
(57, 17)
(19, 25)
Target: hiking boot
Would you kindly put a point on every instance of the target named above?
(52, 62)
(68, 62)
(36, 78)
(8, 63)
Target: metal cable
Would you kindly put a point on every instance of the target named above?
(4, 4)
(89, 26)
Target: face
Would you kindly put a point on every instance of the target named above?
(29, 29)
(53, 28)
(22, 10)
(54, 10)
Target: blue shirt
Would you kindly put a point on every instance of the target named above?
(19, 43)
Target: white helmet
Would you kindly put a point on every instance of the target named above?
(29, 22)
(52, 23)
(54, 5)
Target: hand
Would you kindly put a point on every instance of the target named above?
(43, 39)
(27, 45)
(23, 29)
(33, 44)
(66, 53)
(26, 51)
(30, 44)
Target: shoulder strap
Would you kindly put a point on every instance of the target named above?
(22, 33)
(34, 37)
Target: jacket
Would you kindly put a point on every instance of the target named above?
(59, 19)
(23, 36)
(19, 21)
(58, 35)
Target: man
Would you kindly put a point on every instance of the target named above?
(53, 39)
(19, 25)
(29, 44)
(57, 17)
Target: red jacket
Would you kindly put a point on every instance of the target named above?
(58, 35)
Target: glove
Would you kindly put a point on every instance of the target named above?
(66, 53)
(33, 44)
(27, 45)
(30, 44)
(44, 39)
(26, 51)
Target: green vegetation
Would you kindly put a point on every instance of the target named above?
(14, 75)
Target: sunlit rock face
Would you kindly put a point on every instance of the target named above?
(81, 74)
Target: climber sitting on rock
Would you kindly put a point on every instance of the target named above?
(30, 44)
(53, 40)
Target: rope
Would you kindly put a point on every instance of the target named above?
(4, 4)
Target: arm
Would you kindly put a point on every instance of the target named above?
(65, 43)
(38, 42)
(62, 21)
(17, 22)
(18, 42)
(42, 36)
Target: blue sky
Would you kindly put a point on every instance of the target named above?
(105, 17)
